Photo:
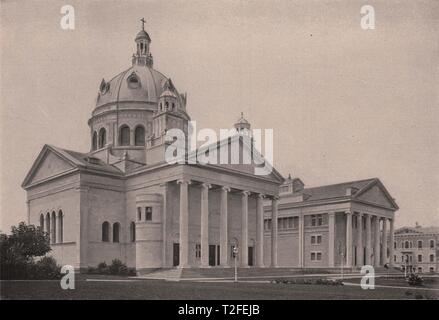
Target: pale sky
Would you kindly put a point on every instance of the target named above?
(345, 103)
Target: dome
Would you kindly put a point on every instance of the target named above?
(139, 83)
(143, 35)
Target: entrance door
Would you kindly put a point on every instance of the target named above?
(250, 256)
(176, 254)
(212, 255)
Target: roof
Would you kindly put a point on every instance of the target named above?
(339, 191)
(417, 230)
(81, 160)
(151, 86)
(78, 160)
(335, 190)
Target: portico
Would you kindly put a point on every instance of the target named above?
(219, 221)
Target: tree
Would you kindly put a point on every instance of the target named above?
(27, 241)
(17, 252)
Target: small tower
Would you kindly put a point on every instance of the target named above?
(242, 126)
(142, 56)
(170, 114)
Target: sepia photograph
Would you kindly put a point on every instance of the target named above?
(227, 151)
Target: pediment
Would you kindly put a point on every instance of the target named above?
(236, 155)
(47, 165)
(378, 195)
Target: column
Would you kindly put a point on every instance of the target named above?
(301, 240)
(205, 225)
(244, 229)
(260, 231)
(384, 242)
(368, 240)
(348, 239)
(82, 234)
(54, 230)
(184, 223)
(360, 254)
(331, 238)
(377, 242)
(391, 242)
(132, 137)
(274, 213)
(224, 243)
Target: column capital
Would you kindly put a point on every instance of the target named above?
(331, 213)
(184, 181)
(206, 185)
(245, 193)
(261, 196)
(225, 188)
(348, 212)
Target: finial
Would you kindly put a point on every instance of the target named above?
(143, 23)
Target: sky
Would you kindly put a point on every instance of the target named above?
(344, 103)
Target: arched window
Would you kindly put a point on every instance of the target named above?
(106, 231)
(61, 226)
(133, 231)
(116, 229)
(94, 142)
(53, 231)
(406, 244)
(124, 136)
(431, 257)
(48, 224)
(102, 138)
(173, 106)
(139, 135)
(42, 222)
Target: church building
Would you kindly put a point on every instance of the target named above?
(123, 200)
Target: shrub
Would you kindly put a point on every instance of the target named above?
(115, 266)
(103, 268)
(415, 280)
(47, 268)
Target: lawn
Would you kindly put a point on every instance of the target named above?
(124, 288)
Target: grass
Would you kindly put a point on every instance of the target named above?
(120, 288)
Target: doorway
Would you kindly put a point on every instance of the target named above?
(250, 256)
(214, 255)
(176, 254)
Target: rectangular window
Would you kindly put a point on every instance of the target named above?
(148, 213)
(419, 244)
(316, 239)
(320, 220)
(313, 220)
(198, 251)
(316, 256)
(319, 239)
(420, 258)
(267, 224)
(290, 223)
(139, 213)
